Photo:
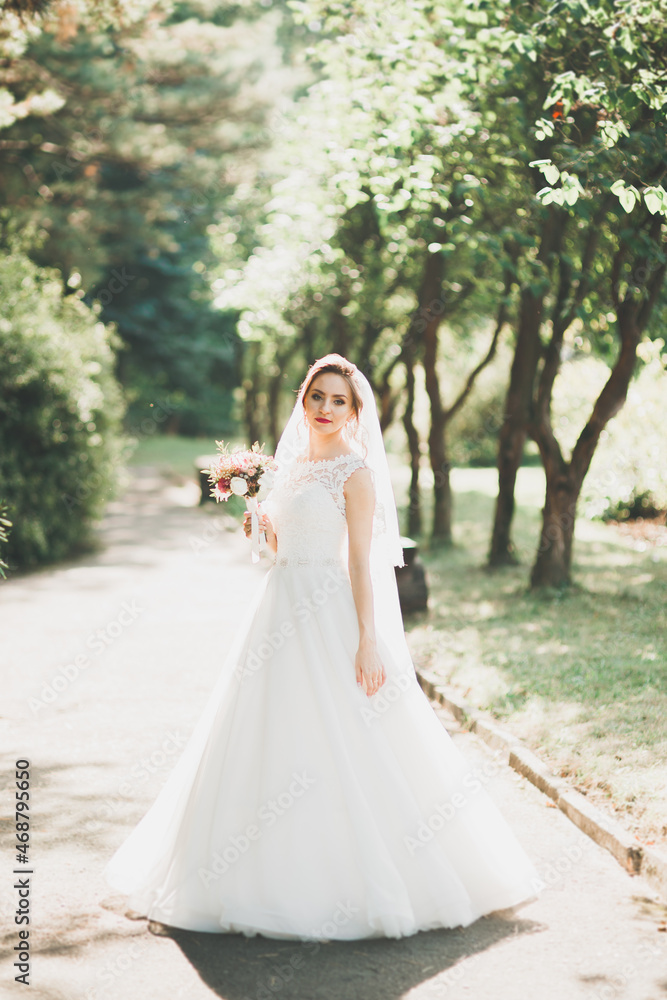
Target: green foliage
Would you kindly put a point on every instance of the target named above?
(606, 127)
(123, 164)
(418, 133)
(433, 133)
(372, 173)
(60, 414)
(23, 21)
(633, 507)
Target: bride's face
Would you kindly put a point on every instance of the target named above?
(328, 403)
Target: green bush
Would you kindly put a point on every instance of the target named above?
(60, 415)
(637, 506)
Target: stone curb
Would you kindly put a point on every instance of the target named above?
(636, 858)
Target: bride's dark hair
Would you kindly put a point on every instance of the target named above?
(339, 366)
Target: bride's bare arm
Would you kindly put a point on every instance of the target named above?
(359, 504)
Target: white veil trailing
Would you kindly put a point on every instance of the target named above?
(386, 549)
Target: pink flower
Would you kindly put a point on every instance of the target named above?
(245, 465)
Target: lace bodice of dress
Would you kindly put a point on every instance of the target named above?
(307, 508)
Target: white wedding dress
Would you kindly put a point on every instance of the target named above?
(301, 807)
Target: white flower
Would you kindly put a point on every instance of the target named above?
(238, 485)
(268, 479)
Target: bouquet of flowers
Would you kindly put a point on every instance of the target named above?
(239, 472)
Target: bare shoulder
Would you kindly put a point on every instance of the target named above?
(359, 485)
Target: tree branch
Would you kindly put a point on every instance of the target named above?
(488, 357)
(632, 315)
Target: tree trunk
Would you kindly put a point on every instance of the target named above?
(441, 416)
(553, 562)
(430, 300)
(514, 430)
(414, 526)
(554, 553)
(552, 567)
(273, 404)
(387, 404)
(339, 330)
(250, 408)
(308, 341)
(251, 413)
(442, 487)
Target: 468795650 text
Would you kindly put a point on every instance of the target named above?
(22, 884)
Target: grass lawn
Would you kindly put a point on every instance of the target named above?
(171, 454)
(175, 458)
(581, 676)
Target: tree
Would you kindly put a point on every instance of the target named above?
(633, 304)
(446, 123)
(382, 212)
(514, 429)
(601, 131)
(60, 415)
(144, 120)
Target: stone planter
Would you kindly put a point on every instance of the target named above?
(203, 462)
(411, 579)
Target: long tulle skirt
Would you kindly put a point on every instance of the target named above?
(302, 808)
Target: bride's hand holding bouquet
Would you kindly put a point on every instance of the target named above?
(242, 473)
(265, 526)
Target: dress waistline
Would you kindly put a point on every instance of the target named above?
(308, 561)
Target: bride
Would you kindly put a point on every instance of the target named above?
(319, 797)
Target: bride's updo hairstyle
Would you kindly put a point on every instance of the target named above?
(339, 366)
